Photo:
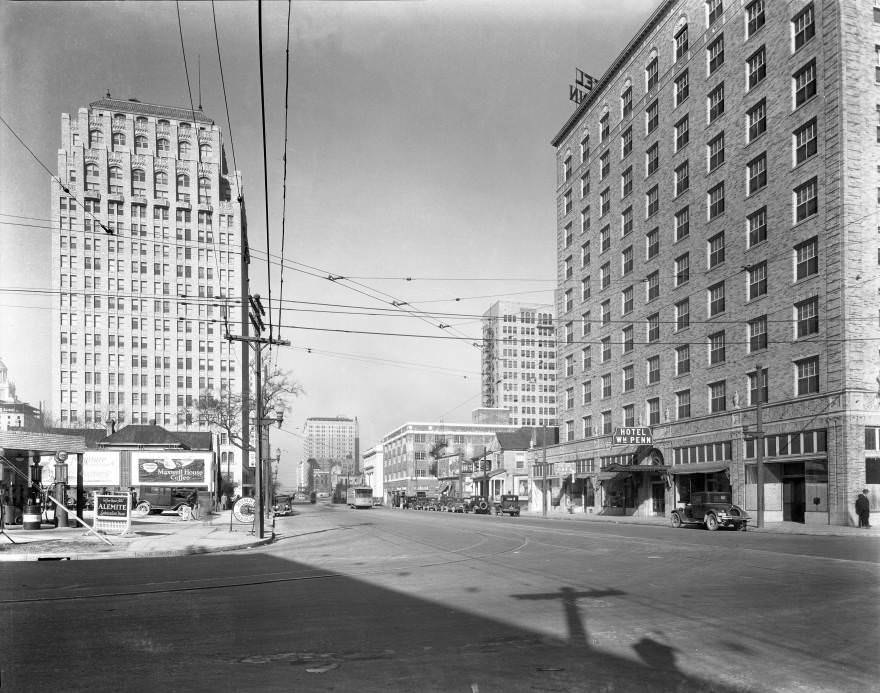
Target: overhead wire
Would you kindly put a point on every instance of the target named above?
(265, 157)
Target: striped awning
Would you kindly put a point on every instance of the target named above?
(699, 468)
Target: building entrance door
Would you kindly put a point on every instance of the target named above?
(794, 500)
(658, 498)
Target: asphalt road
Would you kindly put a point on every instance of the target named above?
(384, 600)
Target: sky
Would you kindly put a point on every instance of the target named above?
(419, 168)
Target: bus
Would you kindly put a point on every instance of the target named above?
(360, 497)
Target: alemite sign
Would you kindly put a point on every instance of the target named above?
(639, 435)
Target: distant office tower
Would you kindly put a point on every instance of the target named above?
(519, 362)
(146, 255)
(334, 443)
(717, 247)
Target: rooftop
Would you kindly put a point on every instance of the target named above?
(140, 108)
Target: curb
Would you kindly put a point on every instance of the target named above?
(170, 553)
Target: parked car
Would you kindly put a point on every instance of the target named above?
(164, 499)
(508, 505)
(478, 505)
(450, 504)
(712, 509)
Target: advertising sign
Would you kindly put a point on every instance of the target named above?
(638, 435)
(100, 468)
(112, 513)
(171, 469)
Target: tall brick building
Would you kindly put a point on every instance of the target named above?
(718, 237)
(146, 267)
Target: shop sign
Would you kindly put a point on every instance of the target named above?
(639, 435)
(171, 469)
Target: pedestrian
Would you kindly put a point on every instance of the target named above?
(224, 501)
(863, 509)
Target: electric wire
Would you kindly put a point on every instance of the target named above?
(265, 157)
(284, 159)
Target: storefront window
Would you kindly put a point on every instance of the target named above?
(816, 477)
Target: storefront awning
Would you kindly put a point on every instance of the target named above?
(608, 476)
(699, 468)
(586, 475)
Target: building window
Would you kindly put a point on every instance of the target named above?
(715, 54)
(716, 200)
(803, 26)
(629, 378)
(569, 236)
(756, 174)
(138, 182)
(626, 142)
(805, 142)
(605, 239)
(682, 315)
(653, 286)
(683, 404)
(807, 258)
(757, 280)
(806, 197)
(606, 385)
(716, 299)
(626, 182)
(756, 119)
(758, 333)
(681, 42)
(682, 178)
(626, 303)
(115, 182)
(566, 168)
(756, 224)
(205, 191)
(606, 423)
(804, 83)
(807, 317)
(652, 201)
(626, 103)
(587, 423)
(652, 74)
(606, 349)
(652, 117)
(569, 300)
(718, 397)
(652, 243)
(652, 159)
(682, 223)
(626, 339)
(626, 222)
(96, 138)
(715, 151)
(755, 17)
(682, 269)
(183, 149)
(140, 144)
(566, 202)
(585, 219)
(569, 332)
(585, 289)
(654, 411)
(715, 103)
(585, 148)
(586, 359)
(756, 67)
(162, 146)
(629, 415)
(604, 127)
(604, 202)
(627, 260)
(569, 398)
(653, 370)
(715, 247)
(714, 8)
(682, 133)
(585, 184)
(807, 375)
(118, 139)
(717, 352)
(683, 359)
(759, 380)
(682, 88)
(653, 327)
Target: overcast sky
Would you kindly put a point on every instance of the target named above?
(419, 147)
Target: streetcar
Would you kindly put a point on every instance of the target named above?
(360, 497)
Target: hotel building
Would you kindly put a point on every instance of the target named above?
(718, 242)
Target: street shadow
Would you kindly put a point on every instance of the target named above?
(260, 622)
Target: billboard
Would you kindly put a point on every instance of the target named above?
(100, 468)
(171, 468)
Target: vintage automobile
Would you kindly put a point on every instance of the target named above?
(450, 504)
(712, 509)
(477, 504)
(508, 505)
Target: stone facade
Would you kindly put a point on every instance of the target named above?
(782, 274)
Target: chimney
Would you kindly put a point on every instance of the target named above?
(111, 426)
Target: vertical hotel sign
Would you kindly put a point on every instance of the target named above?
(583, 85)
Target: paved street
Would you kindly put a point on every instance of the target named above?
(403, 600)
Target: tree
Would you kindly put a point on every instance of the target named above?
(224, 411)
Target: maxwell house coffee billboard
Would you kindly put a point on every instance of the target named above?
(171, 468)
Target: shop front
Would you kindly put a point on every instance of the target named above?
(634, 483)
(699, 476)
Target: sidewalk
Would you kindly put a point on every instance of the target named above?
(154, 536)
(769, 527)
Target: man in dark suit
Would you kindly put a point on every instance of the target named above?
(863, 509)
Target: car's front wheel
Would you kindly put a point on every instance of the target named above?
(711, 522)
(143, 508)
(676, 520)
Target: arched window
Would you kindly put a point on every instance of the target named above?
(183, 149)
(163, 125)
(162, 146)
(92, 177)
(118, 139)
(140, 122)
(160, 178)
(204, 191)
(140, 144)
(118, 119)
(183, 188)
(115, 180)
(204, 152)
(185, 127)
(138, 182)
(96, 138)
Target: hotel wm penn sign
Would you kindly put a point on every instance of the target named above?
(638, 435)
